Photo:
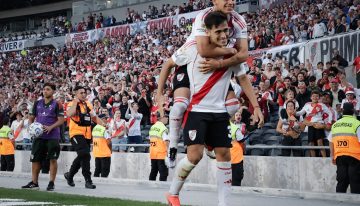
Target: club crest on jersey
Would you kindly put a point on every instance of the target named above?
(192, 135)
(180, 77)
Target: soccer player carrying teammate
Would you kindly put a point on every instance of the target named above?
(50, 114)
(206, 49)
(159, 142)
(207, 120)
(101, 149)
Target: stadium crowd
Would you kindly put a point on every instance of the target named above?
(120, 71)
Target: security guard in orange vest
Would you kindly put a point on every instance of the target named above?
(7, 149)
(345, 150)
(237, 131)
(159, 142)
(101, 149)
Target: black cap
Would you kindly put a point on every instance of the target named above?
(102, 116)
(348, 109)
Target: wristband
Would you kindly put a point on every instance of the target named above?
(257, 106)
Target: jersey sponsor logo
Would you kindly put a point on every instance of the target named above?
(180, 77)
(192, 134)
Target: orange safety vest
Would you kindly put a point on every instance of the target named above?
(6, 147)
(101, 148)
(158, 149)
(237, 152)
(75, 129)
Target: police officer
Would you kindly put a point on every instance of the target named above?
(159, 142)
(345, 150)
(81, 115)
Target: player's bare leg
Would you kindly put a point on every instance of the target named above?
(182, 171)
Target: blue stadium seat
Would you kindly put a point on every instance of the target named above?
(257, 152)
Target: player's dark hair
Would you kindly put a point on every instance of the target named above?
(77, 88)
(51, 85)
(214, 18)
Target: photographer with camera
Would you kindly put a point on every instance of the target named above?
(81, 114)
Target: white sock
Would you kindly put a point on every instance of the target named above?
(232, 106)
(175, 119)
(182, 171)
(224, 178)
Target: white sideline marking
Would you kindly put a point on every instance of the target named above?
(25, 203)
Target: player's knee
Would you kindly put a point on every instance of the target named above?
(195, 158)
(179, 107)
(232, 106)
(222, 154)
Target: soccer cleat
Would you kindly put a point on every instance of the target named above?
(31, 186)
(89, 185)
(171, 162)
(51, 186)
(173, 200)
(210, 152)
(69, 180)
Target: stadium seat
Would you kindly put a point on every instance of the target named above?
(272, 140)
(257, 152)
(255, 138)
(269, 125)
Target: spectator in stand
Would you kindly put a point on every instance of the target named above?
(133, 125)
(356, 70)
(338, 95)
(290, 127)
(118, 130)
(303, 96)
(316, 117)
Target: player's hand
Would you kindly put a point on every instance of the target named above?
(209, 65)
(258, 117)
(160, 99)
(47, 129)
(232, 51)
(333, 161)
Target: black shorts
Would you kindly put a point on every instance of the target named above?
(45, 149)
(181, 78)
(315, 134)
(211, 129)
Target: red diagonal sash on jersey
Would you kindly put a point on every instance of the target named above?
(209, 84)
(118, 131)
(132, 122)
(317, 108)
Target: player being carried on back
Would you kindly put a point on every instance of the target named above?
(238, 54)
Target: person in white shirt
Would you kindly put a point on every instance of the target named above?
(207, 120)
(19, 129)
(351, 98)
(238, 54)
(316, 120)
(319, 29)
(117, 127)
(133, 125)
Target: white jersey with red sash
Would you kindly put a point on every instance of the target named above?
(117, 127)
(316, 113)
(134, 125)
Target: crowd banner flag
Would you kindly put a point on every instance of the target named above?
(12, 46)
(322, 49)
(293, 53)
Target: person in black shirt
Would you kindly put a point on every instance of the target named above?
(303, 96)
(144, 102)
(124, 107)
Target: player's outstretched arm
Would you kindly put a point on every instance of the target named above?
(164, 74)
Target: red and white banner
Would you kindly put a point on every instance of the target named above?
(87, 36)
